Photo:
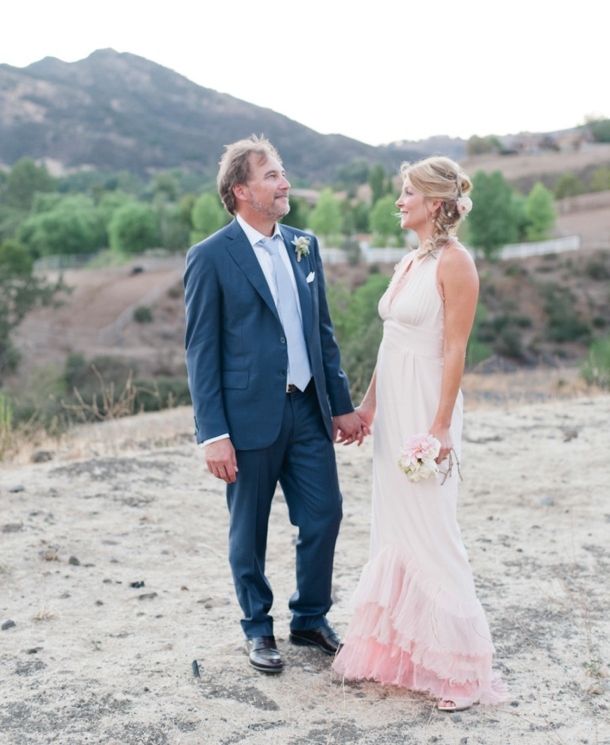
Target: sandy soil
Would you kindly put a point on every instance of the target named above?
(92, 658)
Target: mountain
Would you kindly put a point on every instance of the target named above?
(120, 111)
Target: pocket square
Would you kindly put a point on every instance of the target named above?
(311, 277)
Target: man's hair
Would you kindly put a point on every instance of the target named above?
(235, 166)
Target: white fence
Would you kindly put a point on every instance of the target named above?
(515, 251)
(556, 246)
(367, 254)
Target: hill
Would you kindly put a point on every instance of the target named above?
(120, 111)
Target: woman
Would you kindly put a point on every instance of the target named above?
(417, 621)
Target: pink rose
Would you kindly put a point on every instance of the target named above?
(464, 205)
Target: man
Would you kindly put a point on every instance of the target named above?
(269, 394)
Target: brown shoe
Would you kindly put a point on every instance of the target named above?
(324, 637)
(263, 654)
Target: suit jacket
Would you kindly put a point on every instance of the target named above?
(236, 353)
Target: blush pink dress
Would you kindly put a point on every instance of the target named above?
(417, 621)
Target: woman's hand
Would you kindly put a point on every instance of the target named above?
(443, 435)
(366, 414)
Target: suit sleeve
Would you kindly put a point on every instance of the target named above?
(337, 385)
(203, 305)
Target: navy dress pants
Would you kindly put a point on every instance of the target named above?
(303, 461)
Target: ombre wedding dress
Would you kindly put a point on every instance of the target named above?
(417, 621)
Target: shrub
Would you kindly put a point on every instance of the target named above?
(142, 314)
(161, 393)
(564, 323)
(568, 185)
(596, 269)
(358, 328)
(596, 368)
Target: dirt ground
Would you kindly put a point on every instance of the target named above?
(114, 574)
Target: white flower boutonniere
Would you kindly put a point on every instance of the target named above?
(301, 246)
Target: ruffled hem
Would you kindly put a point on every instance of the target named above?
(409, 632)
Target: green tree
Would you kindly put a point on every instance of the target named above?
(20, 293)
(600, 179)
(326, 219)
(480, 145)
(383, 220)
(70, 225)
(165, 187)
(353, 174)
(600, 129)
(540, 212)
(207, 217)
(493, 222)
(358, 328)
(299, 213)
(15, 258)
(134, 228)
(175, 227)
(361, 212)
(377, 182)
(24, 180)
(568, 185)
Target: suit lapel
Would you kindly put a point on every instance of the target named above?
(303, 289)
(243, 254)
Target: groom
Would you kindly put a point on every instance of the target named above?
(269, 394)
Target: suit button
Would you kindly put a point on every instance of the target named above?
(283, 340)
(283, 373)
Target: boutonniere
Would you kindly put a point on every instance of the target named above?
(301, 246)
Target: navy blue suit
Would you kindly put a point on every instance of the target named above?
(237, 362)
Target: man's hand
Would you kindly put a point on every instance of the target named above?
(221, 460)
(349, 428)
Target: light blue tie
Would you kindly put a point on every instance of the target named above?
(299, 371)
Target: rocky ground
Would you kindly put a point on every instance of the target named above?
(114, 579)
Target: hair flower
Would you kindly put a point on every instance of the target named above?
(463, 205)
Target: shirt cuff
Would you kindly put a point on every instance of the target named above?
(213, 439)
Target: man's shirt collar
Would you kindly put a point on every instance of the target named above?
(252, 234)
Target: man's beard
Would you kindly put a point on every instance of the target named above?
(275, 212)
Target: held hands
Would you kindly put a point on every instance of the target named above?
(221, 460)
(349, 428)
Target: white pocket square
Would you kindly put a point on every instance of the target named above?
(311, 277)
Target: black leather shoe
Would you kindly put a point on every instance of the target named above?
(324, 637)
(263, 654)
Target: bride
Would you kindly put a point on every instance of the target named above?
(417, 621)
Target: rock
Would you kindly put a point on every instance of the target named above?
(597, 689)
(137, 584)
(99, 602)
(514, 703)
(456, 718)
(12, 527)
(74, 561)
(15, 489)
(33, 650)
(569, 434)
(41, 456)
(49, 554)
(547, 502)
(7, 625)
(147, 596)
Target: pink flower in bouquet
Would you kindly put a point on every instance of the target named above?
(417, 457)
(463, 205)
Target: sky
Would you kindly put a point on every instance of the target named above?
(378, 71)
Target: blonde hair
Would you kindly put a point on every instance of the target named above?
(441, 178)
(235, 166)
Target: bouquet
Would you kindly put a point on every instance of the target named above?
(417, 457)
